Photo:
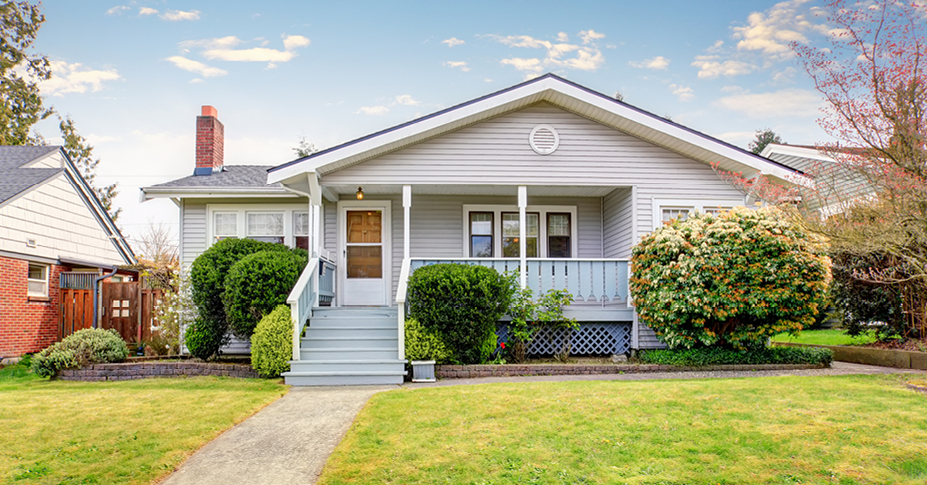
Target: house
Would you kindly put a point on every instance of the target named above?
(577, 175)
(51, 224)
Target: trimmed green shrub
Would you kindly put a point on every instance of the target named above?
(256, 284)
(425, 344)
(731, 280)
(87, 346)
(272, 343)
(718, 356)
(207, 276)
(203, 338)
(462, 303)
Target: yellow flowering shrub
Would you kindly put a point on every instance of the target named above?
(731, 280)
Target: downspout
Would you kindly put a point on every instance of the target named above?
(96, 294)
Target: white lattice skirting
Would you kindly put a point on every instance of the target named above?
(591, 339)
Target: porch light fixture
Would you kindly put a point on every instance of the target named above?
(360, 193)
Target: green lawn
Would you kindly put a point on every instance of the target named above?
(828, 430)
(58, 432)
(825, 337)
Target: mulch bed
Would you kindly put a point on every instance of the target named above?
(911, 345)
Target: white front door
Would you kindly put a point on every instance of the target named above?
(364, 253)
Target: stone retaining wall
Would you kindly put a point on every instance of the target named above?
(509, 370)
(131, 370)
(902, 359)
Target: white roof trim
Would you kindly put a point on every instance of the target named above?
(794, 151)
(149, 193)
(544, 89)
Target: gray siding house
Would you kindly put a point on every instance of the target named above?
(577, 176)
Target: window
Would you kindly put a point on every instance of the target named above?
(38, 280)
(665, 210)
(481, 230)
(225, 225)
(301, 229)
(265, 226)
(549, 231)
(510, 234)
(559, 235)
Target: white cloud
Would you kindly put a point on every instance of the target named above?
(407, 100)
(784, 76)
(225, 49)
(147, 11)
(291, 42)
(178, 15)
(118, 9)
(459, 64)
(453, 41)
(713, 69)
(658, 63)
(716, 46)
(75, 78)
(562, 37)
(684, 93)
(373, 110)
(786, 102)
(560, 54)
(196, 67)
(770, 32)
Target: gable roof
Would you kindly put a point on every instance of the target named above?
(14, 177)
(798, 157)
(17, 177)
(552, 89)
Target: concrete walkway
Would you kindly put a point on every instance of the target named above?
(289, 441)
(285, 443)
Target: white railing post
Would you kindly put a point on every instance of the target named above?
(522, 233)
(401, 303)
(301, 299)
(406, 218)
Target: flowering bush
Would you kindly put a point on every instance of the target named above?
(731, 280)
(528, 316)
(175, 311)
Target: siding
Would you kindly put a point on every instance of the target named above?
(496, 152)
(56, 216)
(330, 226)
(647, 339)
(617, 223)
(192, 230)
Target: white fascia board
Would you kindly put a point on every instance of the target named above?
(794, 151)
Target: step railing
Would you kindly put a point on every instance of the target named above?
(401, 304)
(317, 281)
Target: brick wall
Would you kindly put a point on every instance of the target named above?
(26, 324)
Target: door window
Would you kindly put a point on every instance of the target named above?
(364, 251)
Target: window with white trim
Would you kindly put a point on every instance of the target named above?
(225, 225)
(549, 231)
(38, 280)
(265, 226)
(301, 229)
(665, 210)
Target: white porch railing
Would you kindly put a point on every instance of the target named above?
(316, 281)
(599, 280)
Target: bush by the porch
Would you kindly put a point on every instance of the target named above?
(424, 343)
(272, 343)
(87, 346)
(208, 275)
(732, 280)
(256, 284)
(462, 303)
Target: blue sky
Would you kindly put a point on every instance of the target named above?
(133, 75)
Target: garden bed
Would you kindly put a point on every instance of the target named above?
(902, 359)
(144, 370)
(515, 370)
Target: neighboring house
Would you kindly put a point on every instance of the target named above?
(51, 222)
(577, 175)
(830, 186)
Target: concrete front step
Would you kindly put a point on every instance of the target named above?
(311, 342)
(348, 353)
(356, 365)
(381, 312)
(341, 380)
(353, 331)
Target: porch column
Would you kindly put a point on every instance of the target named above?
(406, 210)
(522, 233)
(315, 216)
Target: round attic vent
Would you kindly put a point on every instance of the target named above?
(544, 139)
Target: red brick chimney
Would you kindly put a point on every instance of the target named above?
(210, 142)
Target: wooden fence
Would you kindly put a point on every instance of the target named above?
(126, 307)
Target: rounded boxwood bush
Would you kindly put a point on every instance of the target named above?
(256, 284)
(425, 344)
(733, 279)
(83, 347)
(207, 278)
(204, 337)
(462, 303)
(272, 343)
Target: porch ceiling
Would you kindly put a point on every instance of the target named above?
(493, 189)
